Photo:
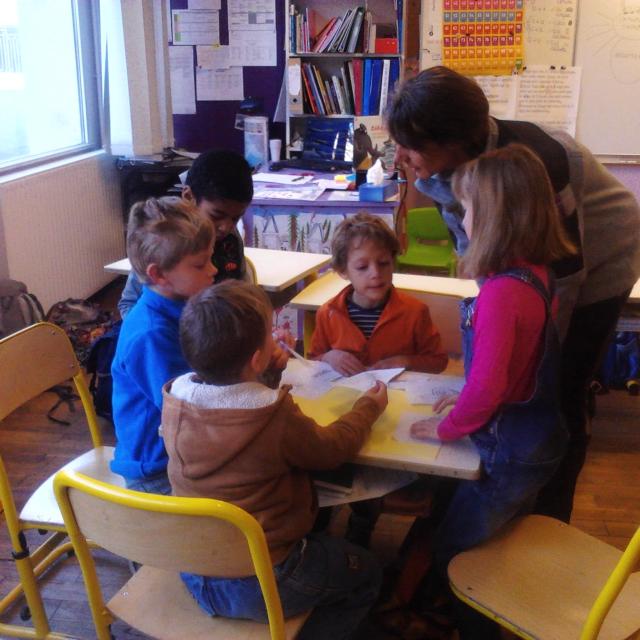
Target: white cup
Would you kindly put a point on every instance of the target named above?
(275, 147)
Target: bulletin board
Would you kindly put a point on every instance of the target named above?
(213, 124)
(608, 49)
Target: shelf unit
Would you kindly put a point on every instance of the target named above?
(324, 67)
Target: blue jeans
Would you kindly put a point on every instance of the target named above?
(336, 579)
(153, 484)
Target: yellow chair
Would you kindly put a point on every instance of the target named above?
(32, 361)
(168, 535)
(429, 242)
(543, 579)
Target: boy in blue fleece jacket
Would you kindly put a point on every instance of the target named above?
(169, 245)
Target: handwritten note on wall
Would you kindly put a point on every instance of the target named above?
(549, 32)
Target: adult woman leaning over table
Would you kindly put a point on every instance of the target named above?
(440, 119)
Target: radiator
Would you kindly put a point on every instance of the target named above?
(59, 227)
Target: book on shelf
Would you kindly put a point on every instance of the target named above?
(360, 87)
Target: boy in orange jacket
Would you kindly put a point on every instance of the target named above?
(369, 324)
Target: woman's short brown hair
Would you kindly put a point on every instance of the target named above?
(442, 107)
(162, 231)
(362, 226)
(222, 327)
(515, 216)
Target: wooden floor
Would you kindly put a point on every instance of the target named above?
(607, 503)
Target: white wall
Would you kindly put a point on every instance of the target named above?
(59, 226)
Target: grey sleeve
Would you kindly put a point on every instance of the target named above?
(130, 294)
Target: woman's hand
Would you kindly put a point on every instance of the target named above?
(426, 429)
(445, 401)
(378, 394)
(343, 362)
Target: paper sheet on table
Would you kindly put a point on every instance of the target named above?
(287, 194)
(309, 378)
(344, 196)
(332, 184)
(403, 430)
(428, 388)
(367, 379)
(368, 482)
(281, 178)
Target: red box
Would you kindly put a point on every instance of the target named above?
(386, 45)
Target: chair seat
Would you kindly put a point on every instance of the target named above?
(538, 564)
(427, 256)
(157, 603)
(42, 508)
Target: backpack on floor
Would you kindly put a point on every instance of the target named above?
(83, 321)
(621, 366)
(99, 368)
(18, 307)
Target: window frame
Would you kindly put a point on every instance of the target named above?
(87, 69)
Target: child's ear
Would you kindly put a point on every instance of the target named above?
(256, 363)
(187, 194)
(342, 274)
(155, 274)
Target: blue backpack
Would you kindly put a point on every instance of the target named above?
(621, 366)
(98, 365)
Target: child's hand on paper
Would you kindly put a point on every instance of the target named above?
(284, 335)
(378, 393)
(391, 363)
(279, 358)
(445, 401)
(426, 429)
(343, 362)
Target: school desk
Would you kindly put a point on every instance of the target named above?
(304, 225)
(275, 270)
(441, 294)
(453, 459)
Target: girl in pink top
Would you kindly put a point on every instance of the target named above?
(508, 405)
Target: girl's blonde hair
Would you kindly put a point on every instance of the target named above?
(515, 216)
(163, 231)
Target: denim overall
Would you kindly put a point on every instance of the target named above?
(520, 447)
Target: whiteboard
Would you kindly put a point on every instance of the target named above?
(608, 49)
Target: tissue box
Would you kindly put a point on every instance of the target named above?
(377, 192)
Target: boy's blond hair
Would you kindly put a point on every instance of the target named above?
(222, 327)
(163, 231)
(362, 226)
(514, 211)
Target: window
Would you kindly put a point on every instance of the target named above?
(48, 85)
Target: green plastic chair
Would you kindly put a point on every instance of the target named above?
(430, 244)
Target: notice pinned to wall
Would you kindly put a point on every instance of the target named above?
(195, 27)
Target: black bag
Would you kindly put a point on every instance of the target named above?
(99, 367)
(18, 307)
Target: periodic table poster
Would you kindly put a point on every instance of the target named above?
(483, 36)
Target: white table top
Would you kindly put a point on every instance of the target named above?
(454, 459)
(330, 284)
(276, 270)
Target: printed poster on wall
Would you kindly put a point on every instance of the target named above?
(483, 36)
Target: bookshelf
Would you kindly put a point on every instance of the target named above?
(343, 59)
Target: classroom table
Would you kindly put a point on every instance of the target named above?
(457, 459)
(441, 294)
(275, 270)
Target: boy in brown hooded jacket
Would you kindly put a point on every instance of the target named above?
(231, 438)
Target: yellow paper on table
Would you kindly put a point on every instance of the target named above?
(381, 449)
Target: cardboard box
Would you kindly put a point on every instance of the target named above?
(377, 193)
